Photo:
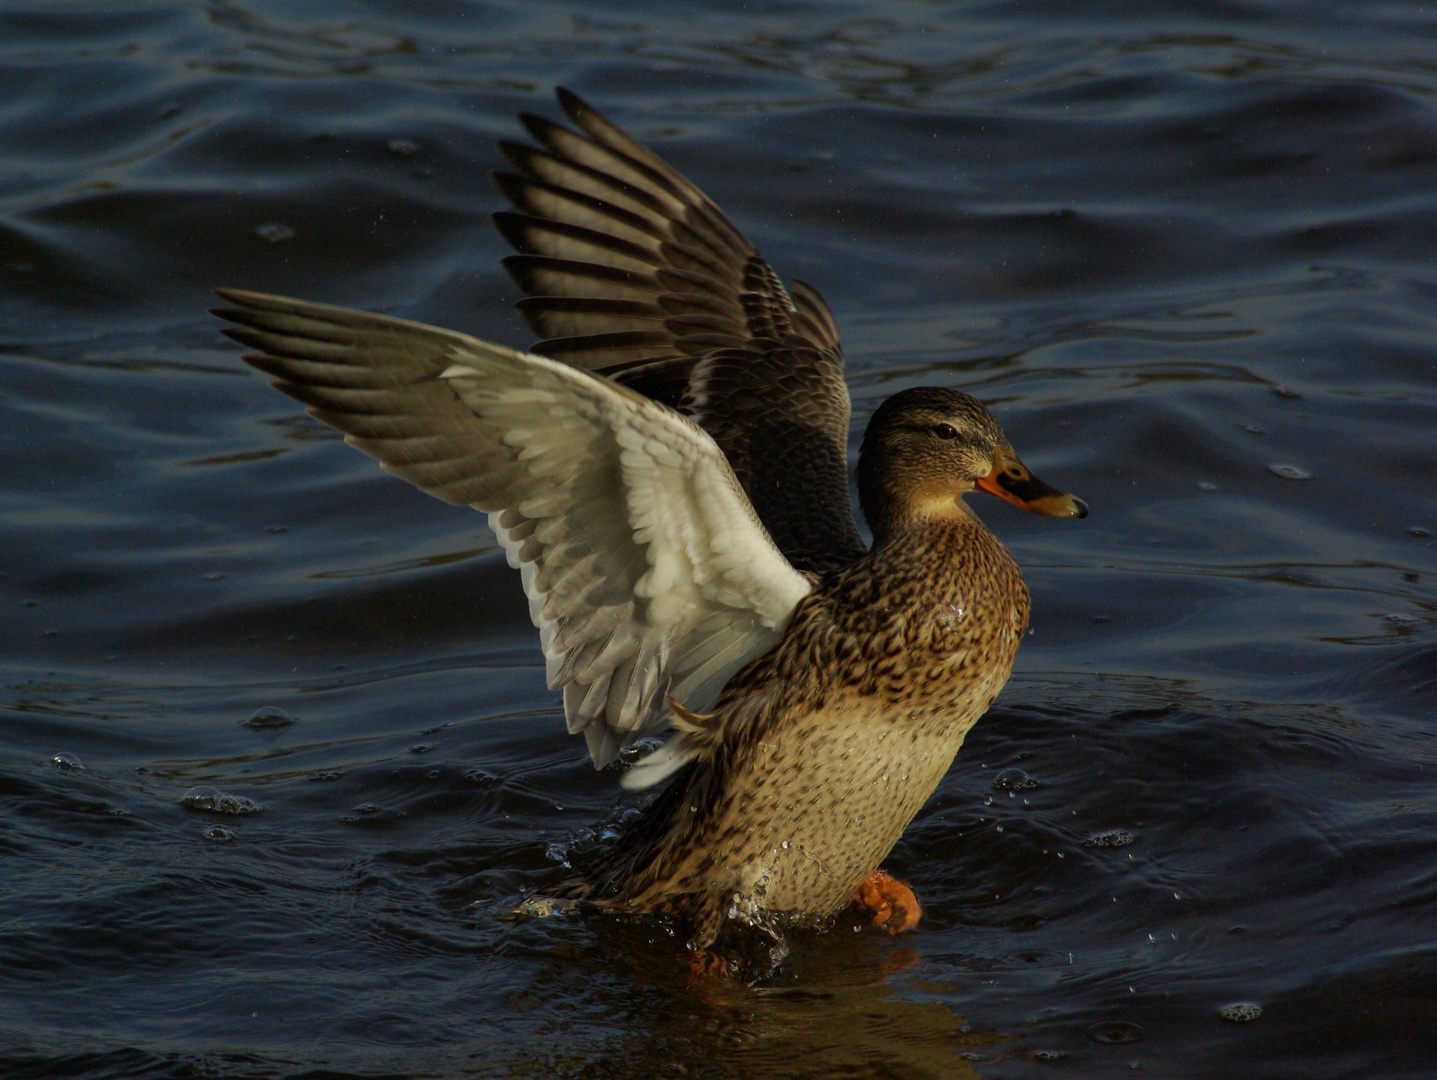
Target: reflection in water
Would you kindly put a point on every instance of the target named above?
(836, 1011)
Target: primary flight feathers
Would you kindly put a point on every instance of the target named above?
(647, 571)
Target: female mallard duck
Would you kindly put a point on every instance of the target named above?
(668, 472)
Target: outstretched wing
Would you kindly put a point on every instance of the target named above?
(634, 272)
(647, 572)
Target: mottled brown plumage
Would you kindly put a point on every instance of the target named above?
(819, 753)
(668, 472)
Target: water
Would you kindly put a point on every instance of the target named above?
(1184, 251)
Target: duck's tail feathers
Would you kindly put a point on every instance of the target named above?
(696, 737)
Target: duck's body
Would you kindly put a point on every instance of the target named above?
(819, 753)
(669, 474)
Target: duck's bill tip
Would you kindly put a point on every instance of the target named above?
(1011, 481)
(1060, 504)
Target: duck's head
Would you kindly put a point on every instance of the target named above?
(928, 447)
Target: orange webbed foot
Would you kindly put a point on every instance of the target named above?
(704, 964)
(894, 906)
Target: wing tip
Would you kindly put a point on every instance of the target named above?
(658, 766)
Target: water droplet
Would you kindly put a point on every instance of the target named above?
(1240, 1012)
(215, 801)
(1405, 621)
(1289, 472)
(274, 232)
(1011, 780)
(65, 761)
(481, 777)
(1112, 838)
(268, 717)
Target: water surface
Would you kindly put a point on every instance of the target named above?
(1184, 250)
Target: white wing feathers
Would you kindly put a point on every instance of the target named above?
(648, 574)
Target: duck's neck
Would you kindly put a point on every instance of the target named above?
(923, 515)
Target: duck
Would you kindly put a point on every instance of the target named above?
(667, 470)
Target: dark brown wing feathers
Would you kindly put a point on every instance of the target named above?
(631, 271)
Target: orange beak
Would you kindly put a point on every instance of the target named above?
(1011, 480)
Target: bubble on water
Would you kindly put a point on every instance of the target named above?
(421, 748)
(403, 147)
(482, 777)
(267, 717)
(274, 232)
(1014, 780)
(325, 774)
(1112, 838)
(218, 834)
(1419, 532)
(1206, 485)
(1289, 472)
(214, 801)
(1286, 392)
(1240, 1012)
(65, 761)
(558, 853)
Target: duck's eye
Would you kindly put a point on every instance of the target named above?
(946, 431)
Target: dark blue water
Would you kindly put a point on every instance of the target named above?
(1187, 252)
